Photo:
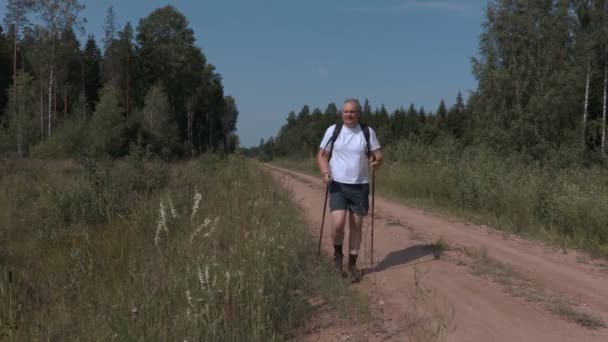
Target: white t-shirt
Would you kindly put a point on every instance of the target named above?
(349, 163)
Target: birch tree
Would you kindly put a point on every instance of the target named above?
(57, 15)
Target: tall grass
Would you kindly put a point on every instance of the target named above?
(559, 201)
(567, 205)
(209, 250)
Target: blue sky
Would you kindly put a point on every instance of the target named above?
(277, 55)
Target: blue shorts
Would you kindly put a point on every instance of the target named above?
(351, 197)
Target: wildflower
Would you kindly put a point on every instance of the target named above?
(197, 199)
(173, 211)
(201, 280)
(199, 229)
(163, 217)
(189, 297)
(161, 225)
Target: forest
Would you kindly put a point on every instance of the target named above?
(65, 93)
(542, 72)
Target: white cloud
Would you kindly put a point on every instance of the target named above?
(458, 7)
(449, 6)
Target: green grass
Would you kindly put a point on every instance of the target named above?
(558, 202)
(210, 250)
(565, 310)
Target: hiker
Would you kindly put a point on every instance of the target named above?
(344, 158)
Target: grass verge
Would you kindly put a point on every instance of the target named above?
(140, 250)
(565, 206)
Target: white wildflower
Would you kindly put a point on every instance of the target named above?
(161, 225)
(217, 218)
(201, 280)
(163, 217)
(197, 200)
(173, 211)
(199, 229)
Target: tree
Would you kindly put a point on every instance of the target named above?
(58, 16)
(22, 109)
(528, 74)
(108, 125)
(159, 121)
(68, 70)
(456, 120)
(167, 53)
(330, 115)
(125, 56)
(92, 73)
(441, 115)
(229, 119)
(5, 72)
(110, 29)
(16, 17)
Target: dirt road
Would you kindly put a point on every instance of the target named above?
(486, 286)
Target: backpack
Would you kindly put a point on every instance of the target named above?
(336, 132)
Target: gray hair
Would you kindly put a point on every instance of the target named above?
(355, 102)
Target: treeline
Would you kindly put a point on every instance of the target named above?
(301, 135)
(542, 72)
(150, 85)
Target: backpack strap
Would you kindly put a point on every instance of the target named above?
(336, 132)
(365, 129)
(333, 138)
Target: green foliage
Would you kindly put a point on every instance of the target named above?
(158, 121)
(5, 72)
(201, 117)
(107, 129)
(21, 111)
(92, 74)
(66, 142)
(554, 201)
(211, 250)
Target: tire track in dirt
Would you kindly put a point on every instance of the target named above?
(408, 284)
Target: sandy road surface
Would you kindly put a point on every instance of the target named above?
(506, 296)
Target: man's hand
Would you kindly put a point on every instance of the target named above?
(375, 163)
(326, 178)
(375, 159)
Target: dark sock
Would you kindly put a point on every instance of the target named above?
(338, 250)
(352, 260)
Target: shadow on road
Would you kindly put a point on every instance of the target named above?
(403, 256)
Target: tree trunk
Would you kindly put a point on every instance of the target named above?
(128, 84)
(604, 110)
(15, 100)
(19, 131)
(51, 80)
(586, 106)
(190, 126)
(65, 103)
(83, 98)
(41, 105)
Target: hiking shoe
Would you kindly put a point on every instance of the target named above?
(353, 274)
(338, 263)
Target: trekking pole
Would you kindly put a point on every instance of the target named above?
(373, 198)
(323, 220)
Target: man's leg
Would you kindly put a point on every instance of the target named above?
(337, 235)
(354, 240)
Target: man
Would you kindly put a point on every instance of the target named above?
(344, 164)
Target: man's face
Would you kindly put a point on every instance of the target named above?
(350, 116)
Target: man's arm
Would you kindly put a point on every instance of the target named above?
(376, 159)
(323, 164)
